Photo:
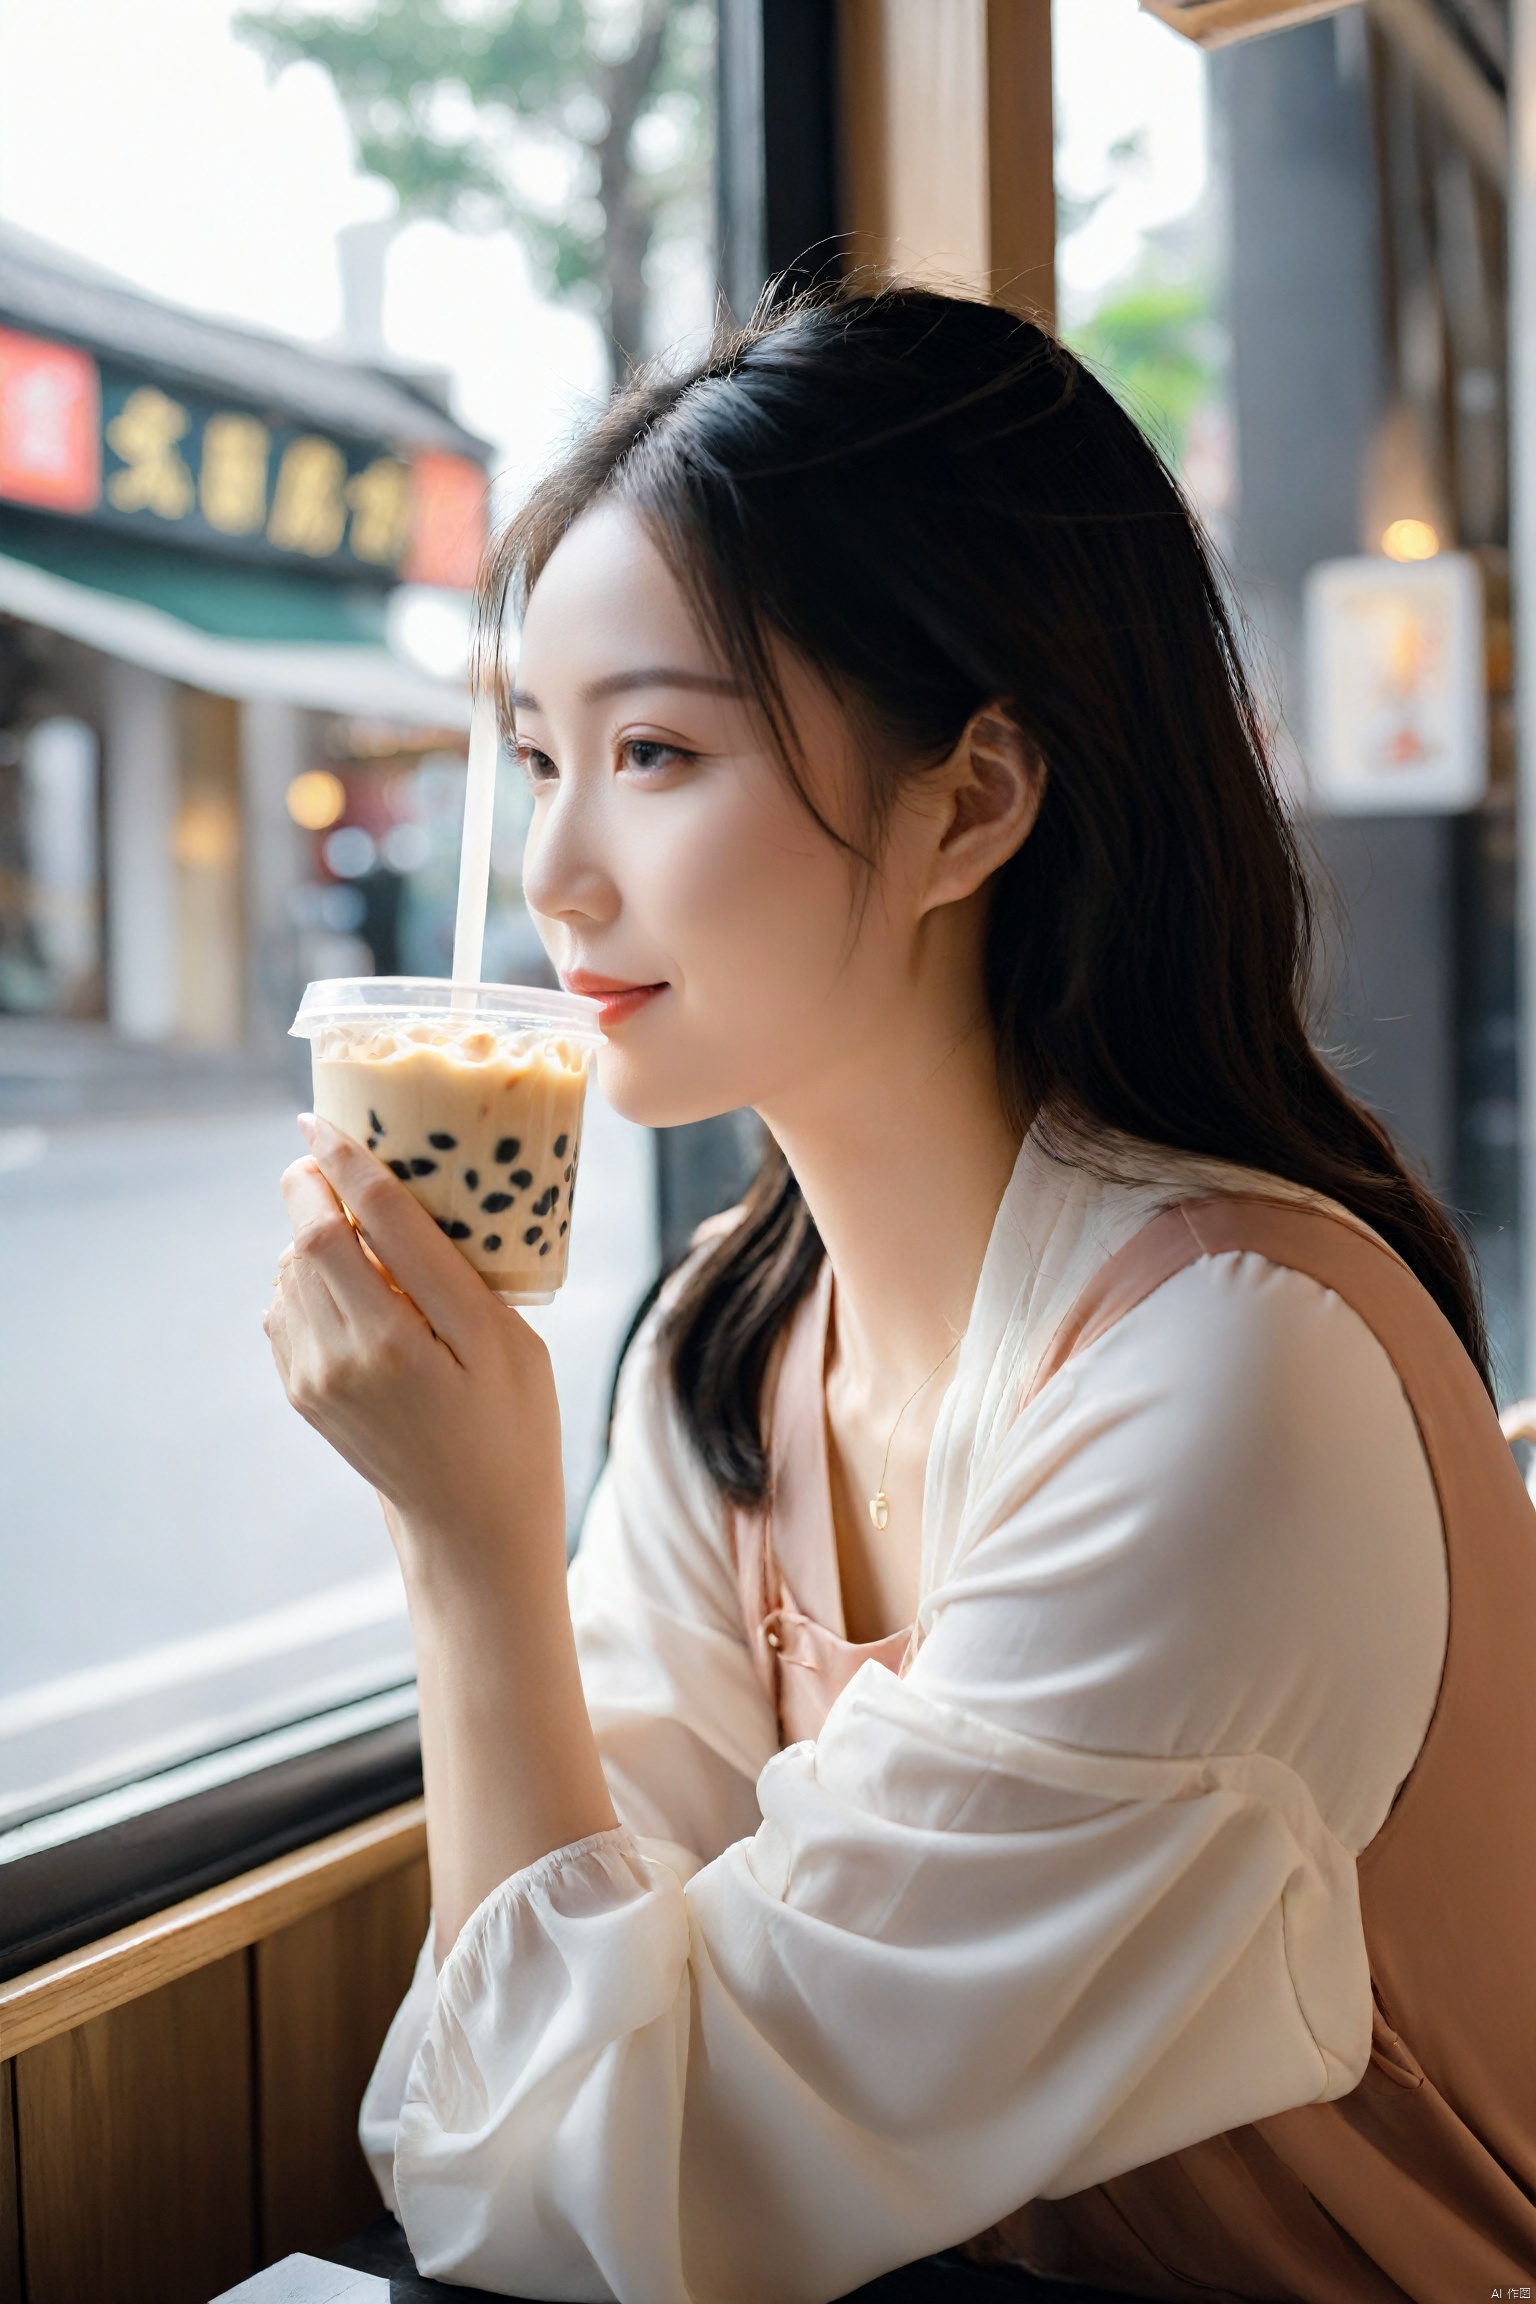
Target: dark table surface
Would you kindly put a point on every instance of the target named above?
(939, 2280)
(381, 2272)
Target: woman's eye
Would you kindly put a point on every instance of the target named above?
(537, 766)
(648, 753)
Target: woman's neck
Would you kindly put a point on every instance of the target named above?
(903, 1161)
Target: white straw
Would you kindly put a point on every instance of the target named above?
(475, 854)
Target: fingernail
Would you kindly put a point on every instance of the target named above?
(309, 1128)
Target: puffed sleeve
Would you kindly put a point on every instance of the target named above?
(682, 1722)
(1066, 1897)
(681, 1719)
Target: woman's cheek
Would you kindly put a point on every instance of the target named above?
(733, 1020)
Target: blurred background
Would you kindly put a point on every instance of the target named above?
(294, 301)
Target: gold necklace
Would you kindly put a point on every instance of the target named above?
(880, 1503)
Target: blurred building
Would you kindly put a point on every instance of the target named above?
(1363, 163)
(231, 573)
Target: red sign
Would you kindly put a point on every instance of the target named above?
(50, 425)
(448, 521)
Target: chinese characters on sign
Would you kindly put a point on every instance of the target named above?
(119, 449)
(228, 477)
(232, 481)
(144, 433)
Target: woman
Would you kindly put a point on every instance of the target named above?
(951, 1796)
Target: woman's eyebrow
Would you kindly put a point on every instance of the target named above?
(644, 676)
(658, 676)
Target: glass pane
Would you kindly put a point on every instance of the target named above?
(239, 505)
(1288, 257)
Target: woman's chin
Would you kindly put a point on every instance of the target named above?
(656, 1094)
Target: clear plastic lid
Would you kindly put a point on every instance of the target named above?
(368, 1000)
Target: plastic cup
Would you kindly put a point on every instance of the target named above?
(472, 1094)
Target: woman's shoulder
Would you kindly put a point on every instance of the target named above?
(1220, 1521)
(1232, 1333)
(1076, 1202)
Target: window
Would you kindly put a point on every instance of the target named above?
(241, 498)
(1288, 256)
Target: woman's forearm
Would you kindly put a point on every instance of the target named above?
(508, 1756)
(445, 1401)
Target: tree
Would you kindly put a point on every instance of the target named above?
(1153, 344)
(582, 124)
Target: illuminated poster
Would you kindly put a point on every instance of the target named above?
(1396, 686)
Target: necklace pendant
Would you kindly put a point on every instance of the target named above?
(880, 1509)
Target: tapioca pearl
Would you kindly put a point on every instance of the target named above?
(564, 1228)
(402, 1169)
(570, 1167)
(533, 1233)
(507, 1150)
(452, 1226)
(375, 1123)
(560, 1145)
(545, 1200)
(544, 1251)
(373, 1143)
(494, 1202)
(491, 1242)
(472, 1178)
(423, 1167)
(521, 1177)
(441, 1141)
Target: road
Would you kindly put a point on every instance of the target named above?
(174, 1541)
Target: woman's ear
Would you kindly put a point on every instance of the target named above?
(991, 786)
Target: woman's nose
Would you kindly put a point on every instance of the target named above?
(565, 876)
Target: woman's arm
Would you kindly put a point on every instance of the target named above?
(443, 1399)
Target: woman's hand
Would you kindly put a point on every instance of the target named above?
(439, 1395)
(444, 1399)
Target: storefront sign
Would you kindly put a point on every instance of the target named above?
(124, 451)
(1396, 686)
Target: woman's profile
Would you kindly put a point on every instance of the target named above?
(1037, 1748)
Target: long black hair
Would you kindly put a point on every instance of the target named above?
(939, 508)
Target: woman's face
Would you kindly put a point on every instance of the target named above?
(673, 871)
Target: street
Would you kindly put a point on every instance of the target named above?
(183, 1558)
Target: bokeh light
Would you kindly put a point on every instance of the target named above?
(350, 852)
(316, 799)
(1410, 540)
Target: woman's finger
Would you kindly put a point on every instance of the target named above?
(401, 1234)
(325, 1243)
(303, 1319)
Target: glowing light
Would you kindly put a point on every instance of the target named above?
(316, 799)
(1410, 540)
(432, 627)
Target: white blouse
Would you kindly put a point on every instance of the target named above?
(1077, 1891)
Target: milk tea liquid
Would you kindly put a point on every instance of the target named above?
(481, 1122)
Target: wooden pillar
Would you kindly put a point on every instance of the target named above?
(1522, 546)
(947, 144)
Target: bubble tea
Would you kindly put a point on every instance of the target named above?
(472, 1095)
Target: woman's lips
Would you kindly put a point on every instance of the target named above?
(618, 1002)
